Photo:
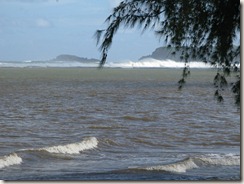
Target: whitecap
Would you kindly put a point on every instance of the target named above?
(198, 161)
(74, 148)
(179, 167)
(8, 160)
(217, 159)
(154, 63)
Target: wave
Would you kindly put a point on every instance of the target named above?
(181, 166)
(133, 118)
(74, 148)
(216, 159)
(8, 160)
(46, 64)
(154, 63)
(145, 63)
(196, 162)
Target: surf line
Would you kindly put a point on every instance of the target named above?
(73, 148)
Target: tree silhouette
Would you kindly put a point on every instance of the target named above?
(203, 29)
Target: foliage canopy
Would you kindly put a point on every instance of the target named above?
(204, 29)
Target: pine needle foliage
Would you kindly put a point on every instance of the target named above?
(204, 29)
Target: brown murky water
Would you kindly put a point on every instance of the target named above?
(129, 124)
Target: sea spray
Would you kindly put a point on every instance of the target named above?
(9, 160)
(145, 63)
(154, 63)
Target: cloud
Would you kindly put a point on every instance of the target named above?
(42, 23)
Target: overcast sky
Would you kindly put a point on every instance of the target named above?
(43, 29)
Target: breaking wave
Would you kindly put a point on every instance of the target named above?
(196, 162)
(8, 160)
(154, 63)
(46, 64)
(216, 159)
(145, 63)
(74, 148)
(181, 166)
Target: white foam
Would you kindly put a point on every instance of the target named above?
(45, 64)
(74, 148)
(180, 167)
(196, 162)
(8, 160)
(216, 159)
(154, 63)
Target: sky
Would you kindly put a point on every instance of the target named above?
(44, 29)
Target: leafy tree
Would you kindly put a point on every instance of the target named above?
(203, 29)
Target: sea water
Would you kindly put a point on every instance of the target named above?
(116, 124)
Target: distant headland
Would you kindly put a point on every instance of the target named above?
(68, 57)
(165, 53)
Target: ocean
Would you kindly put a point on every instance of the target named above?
(78, 123)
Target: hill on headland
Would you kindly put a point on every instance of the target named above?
(165, 53)
(67, 57)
